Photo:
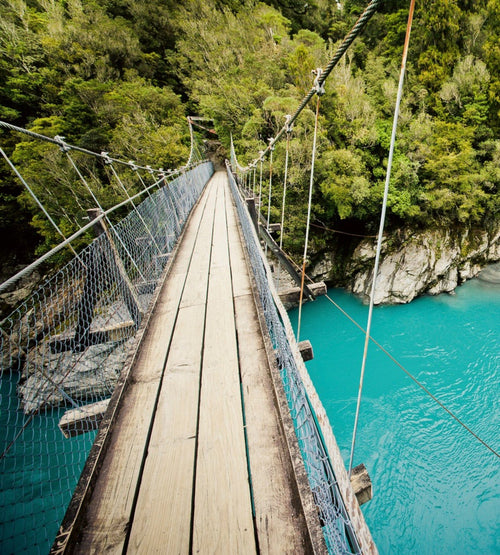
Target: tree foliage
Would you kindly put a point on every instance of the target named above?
(121, 76)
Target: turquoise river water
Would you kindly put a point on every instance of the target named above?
(436, 488)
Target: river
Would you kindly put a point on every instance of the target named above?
(436, 489)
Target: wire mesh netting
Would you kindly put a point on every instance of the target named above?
(61, 354)
(337, 528)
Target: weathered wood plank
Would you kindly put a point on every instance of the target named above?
(239, 272)
(162, 518)
(222, 509)
(109, 510)
(84, 419)
(306, 350)
(280, 525)
(167, 480)
(361, 484)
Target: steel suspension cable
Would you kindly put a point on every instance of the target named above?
(341, 50)
(260, 182)
(63, 244)
(381, 228)
(397, 363)
(59, 141)
(283, 203)
(270, 191)
(117, 177)
(66, 149)
(39, 203)
(319, 92)
(414, 379)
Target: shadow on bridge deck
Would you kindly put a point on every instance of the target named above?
(194, 454)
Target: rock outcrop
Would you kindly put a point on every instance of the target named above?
(412, 264)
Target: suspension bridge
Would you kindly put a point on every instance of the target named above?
(154, 396)
(164, 333)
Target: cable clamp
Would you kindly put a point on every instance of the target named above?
(318, 89)
(288, 125)
(106, 158)
(132, 165)
(271, 143)
(64, 146)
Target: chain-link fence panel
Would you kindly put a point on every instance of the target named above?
(337, 528)
(61, 354)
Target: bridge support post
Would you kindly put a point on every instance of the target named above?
(94, 284)
(130, 296)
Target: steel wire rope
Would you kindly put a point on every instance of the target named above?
(325, 72)
(66, 149)
(270, 191)
(381, 228)
(59, 385)
(117, 177)
(39, 203)
(56, 386)
(283, 203)
(63, 244)
(412, 377)
(253, 186)
(57, 141)
(319, 91)
(135, 169)
(260, 182)
(343, 232)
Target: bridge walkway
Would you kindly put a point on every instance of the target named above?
(195, 454)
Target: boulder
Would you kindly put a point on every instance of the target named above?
(416, 263)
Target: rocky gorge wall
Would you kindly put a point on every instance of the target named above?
(413, 263)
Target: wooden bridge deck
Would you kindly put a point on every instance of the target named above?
(195, 455)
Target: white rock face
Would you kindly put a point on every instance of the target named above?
(429, 262)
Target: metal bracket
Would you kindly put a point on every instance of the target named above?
(319, 89)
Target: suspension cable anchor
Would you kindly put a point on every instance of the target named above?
(318, 89)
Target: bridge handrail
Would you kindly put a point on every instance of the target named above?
(63, 348)
(337, 526)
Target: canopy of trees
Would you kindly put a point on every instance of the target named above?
(121, 76)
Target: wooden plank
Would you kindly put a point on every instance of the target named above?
(239, 272)
(162, 519)
(167, 479)
(222, 505)
(84, 419)
(280, 526)
(361, 484)
(116, 332)
(109, 510)
(306, 350)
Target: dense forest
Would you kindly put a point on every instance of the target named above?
(121, 76)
